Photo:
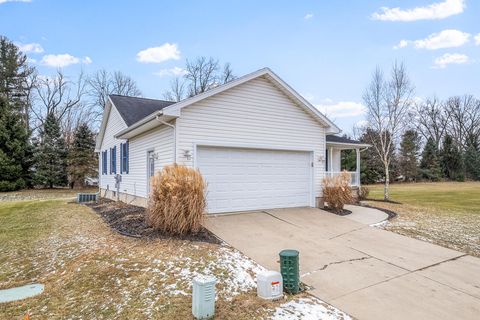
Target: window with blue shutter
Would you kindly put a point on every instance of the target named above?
(124, 157)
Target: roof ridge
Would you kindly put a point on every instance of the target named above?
(121, 95)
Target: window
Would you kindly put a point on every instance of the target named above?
(124, 157)
(113, 160)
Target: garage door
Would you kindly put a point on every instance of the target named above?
(249, 179)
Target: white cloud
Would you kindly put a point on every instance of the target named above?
(438, 10)
(29, 47)
(341, 109)
(87, 60)
(308, 16)
(449, 38)
(5, 1)
(63, 60)
(175, 71)
(401, 44)
(450, 58)
(159, 54)
(477, 39)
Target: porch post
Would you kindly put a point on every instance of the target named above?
(357, 151)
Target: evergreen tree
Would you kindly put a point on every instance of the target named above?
(452, 160)
(371, 167)
(51, 155)
(430, 165)
(472, 159)
(409, 152)
(15, 150)
(82, 161)
(14, 78)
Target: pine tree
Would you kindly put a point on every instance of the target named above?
(14, 78)
(82, 161)
(430, 164)
(409, 152)
(452, 160)
(15, 150)
(51, 155)
(472, 158)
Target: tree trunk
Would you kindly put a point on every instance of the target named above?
(386, 195)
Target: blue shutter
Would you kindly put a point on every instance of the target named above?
(121, 158)
(126, 157)
(115, 159)
(111, 160)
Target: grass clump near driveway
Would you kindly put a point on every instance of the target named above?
(92, 272)
(177, 201)
(445, 213)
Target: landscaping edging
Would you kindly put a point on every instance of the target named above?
(129, 220)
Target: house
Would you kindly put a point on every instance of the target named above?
(258, 143)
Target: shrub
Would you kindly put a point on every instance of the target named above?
(363, 193)
(177, 200)
(337, 191)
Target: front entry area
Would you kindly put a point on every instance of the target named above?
(241, 179)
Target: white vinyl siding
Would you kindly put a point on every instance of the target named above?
(115, 124)
(254, 114)
(160, 140)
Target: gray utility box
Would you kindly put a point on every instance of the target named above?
(203, 297)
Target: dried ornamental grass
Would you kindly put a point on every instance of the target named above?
(177, 200)
(337, 191)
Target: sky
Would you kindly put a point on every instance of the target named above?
(326, 50)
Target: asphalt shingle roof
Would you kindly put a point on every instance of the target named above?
(133, 109)
(338, 139)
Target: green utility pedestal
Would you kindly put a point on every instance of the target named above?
(289, 268)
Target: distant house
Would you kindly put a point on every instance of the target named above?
(258, 143)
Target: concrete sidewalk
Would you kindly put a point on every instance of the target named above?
(366, 272)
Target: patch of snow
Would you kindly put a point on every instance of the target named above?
(308, 309)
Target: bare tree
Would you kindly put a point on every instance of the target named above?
(388, 105)
(464, 118)
(227, 73)
(177, 90)
(103, 83)
(57, 95)
(432, 120)
(201, 74)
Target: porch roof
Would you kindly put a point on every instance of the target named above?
(344, 143)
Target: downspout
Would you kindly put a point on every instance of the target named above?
(174, 137)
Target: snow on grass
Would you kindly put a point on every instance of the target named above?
(309, 308)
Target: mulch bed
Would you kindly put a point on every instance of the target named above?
(129, 220)
(343, 212)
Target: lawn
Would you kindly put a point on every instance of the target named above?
(91, 272)
(446, 213)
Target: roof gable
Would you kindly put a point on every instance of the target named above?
(133, 109)
(173, 110)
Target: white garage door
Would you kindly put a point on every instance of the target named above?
(249, 179)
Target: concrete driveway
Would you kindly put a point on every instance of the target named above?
(366, 272)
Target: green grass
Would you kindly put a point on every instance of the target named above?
(445, 196)
(445, 213)
(91, 272)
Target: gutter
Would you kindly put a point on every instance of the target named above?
(174, 136)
